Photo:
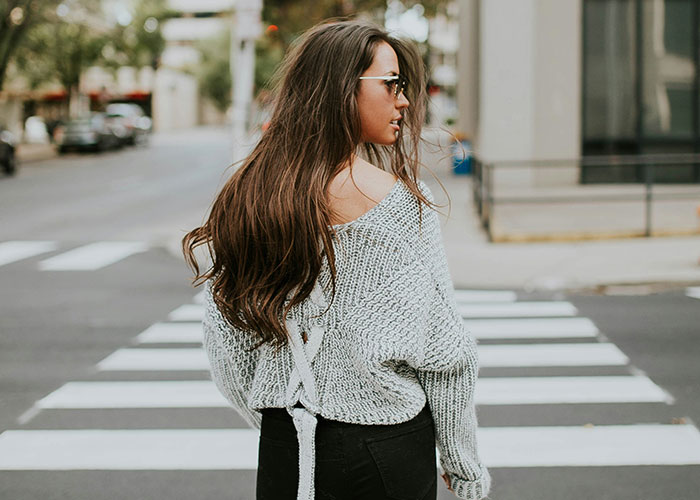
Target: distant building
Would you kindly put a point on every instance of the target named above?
(177, 102)
(553, 79)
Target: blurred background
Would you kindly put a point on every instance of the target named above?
(566, 136)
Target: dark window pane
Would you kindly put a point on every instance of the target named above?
(609, 82)
(668, 69)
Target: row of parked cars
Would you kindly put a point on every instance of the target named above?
(121, 124)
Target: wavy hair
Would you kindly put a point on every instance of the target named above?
(265, 225)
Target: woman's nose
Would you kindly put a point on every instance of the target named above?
(401, 101)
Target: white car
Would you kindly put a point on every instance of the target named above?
(135, 122)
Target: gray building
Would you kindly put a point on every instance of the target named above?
(562, 79)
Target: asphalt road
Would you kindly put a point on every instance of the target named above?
(60, 323)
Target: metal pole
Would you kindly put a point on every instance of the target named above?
(489, 199)
(648, 174)
(246, 27)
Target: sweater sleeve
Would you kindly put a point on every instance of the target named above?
(232, 363)
(449, 380)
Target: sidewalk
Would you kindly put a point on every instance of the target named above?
(26, 153)
(476, 263)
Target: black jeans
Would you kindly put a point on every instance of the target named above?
(358, 462)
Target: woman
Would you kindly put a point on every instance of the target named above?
(331, 323)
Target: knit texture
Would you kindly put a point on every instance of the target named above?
(393, 338)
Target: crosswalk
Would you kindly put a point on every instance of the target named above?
(89, 257)
(531, 354)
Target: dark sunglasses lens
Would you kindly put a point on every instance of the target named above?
(401, 85)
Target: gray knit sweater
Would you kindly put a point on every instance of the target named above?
(392, 338)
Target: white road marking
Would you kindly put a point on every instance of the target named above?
(171, 333)
(185, 359)
(237, 449)
(530, 328)
(693, 291)
(603, 445)
(93, 256)
(199, 298)
(597, 354)
(160, 394)
(525, 328)
(141, 449)
(568, 390)
(517, 309)
(187, 312)
(12, 251)
(489, 391)
(485, 296)
(180, 359)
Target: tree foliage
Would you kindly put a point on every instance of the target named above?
(213, 72)
(292, 17)
(141, 42)
(61, 43)
(17, 18)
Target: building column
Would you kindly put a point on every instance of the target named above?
(529, 82)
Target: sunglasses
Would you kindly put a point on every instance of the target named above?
(395, 83)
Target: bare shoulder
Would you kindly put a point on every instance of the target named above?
(352, 199)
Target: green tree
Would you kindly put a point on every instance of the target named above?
(140, 42)
(17, 18)
(213, 72)
(295, 16)
(61, 48)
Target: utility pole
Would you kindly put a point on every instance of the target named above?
(246, 27)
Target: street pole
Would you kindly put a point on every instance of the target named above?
(245, 29)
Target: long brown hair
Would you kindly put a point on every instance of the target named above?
(264, 228)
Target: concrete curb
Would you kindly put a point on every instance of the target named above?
(588, 236)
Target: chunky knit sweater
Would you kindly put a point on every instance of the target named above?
(392, 339)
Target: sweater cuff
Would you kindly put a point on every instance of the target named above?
(472, 490)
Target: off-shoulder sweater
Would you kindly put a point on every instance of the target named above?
(391, 340)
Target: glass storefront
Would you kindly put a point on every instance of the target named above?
(640, 82)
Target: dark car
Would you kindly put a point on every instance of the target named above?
(132, 118)
(94, 132)
(7, 152)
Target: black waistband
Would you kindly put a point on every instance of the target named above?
(282, 414)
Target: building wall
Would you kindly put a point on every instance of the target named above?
(529, 81)
(175, 100)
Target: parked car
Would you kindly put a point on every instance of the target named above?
(93, 132)
(7, 152)
(134, 120)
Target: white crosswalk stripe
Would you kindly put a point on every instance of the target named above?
(693, 292)
(600, 354)
(489, 391)
(490, 315)
(187, 312)
(517, 328)
(567, 390)
(531, 328)
(185, 332)
(13, 251)
(231, 449)
(470, 296)
(135, 394)
(517, 309)
(93, 256)
(155, 360)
